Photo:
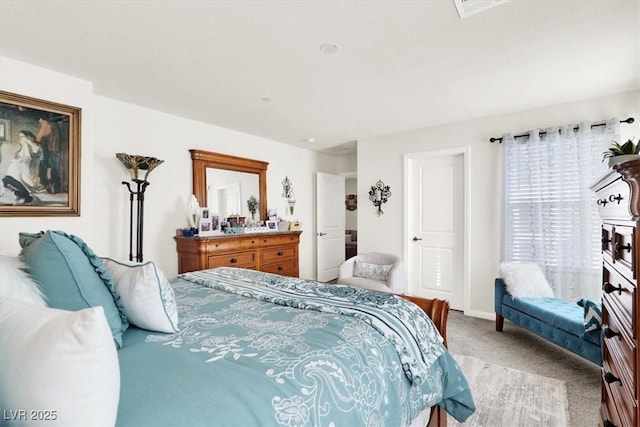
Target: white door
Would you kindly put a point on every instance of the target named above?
(228, 197)
(436, 212)
(330, 218)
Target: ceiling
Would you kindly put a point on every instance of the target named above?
(257, 66)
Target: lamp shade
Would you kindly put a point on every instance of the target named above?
(136, 165)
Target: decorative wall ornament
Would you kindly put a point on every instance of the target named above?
(136, 165)
(351, 202)
(287, 193)
(379, 194)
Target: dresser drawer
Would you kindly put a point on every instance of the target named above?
(285, 268)
(278, 254)
(223, 245)
(608, 410)
(613, 200)
(236, 259)
(618, 356)
(620, 397)
(279, 240)
(623, 250)
(620, 294)
(607, 241)
(618, 343)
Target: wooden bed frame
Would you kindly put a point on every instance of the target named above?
(438, 311)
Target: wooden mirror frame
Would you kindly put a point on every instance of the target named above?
(201, 160)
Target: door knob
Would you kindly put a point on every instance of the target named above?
(322, 234)
(415, 239)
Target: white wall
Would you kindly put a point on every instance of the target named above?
(44, 84)
(383, 159)
(110, 126)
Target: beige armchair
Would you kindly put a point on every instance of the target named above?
(368, 271)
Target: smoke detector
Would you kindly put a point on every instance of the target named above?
(329, 48)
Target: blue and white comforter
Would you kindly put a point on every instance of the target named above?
(261, 349)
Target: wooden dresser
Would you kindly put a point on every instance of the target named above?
(273, 252)
(618, 198)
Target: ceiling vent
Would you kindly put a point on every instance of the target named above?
(470, 7)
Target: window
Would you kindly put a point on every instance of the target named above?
(549, 212)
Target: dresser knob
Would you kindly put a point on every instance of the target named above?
(620, 247)
(608, 288)
(602, 202)
(610, 378)
(234, 260)
(610, 333)
(280, 268)
(605, 241)
(618, 198)
(280, 254)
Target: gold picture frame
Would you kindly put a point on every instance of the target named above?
(39, 157)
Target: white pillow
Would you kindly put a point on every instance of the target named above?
(525, 279)
(16, 283)
(146, 295)
(62, 365)
(372, 271)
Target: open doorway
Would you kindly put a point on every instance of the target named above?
(351, 216)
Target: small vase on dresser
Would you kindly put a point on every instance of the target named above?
(618, 199)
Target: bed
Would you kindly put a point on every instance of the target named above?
(254, 348)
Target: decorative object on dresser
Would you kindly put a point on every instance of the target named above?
(617, 153)
(618, 198)
(379, 194)
(193, 212)
(273, 252)
(209, 223)
(252, 205)
(135, 165)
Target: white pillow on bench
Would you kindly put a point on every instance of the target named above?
(525, 279)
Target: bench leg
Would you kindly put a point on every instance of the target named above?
(499, 322)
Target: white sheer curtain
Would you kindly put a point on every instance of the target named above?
(549, 213)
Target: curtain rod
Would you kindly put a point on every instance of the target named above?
(492, 140)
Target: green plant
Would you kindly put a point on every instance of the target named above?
(616, 149)
(252, 205)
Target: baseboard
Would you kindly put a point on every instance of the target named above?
(480, 314)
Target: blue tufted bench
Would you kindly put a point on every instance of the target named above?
(558, 321)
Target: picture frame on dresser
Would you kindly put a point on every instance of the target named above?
(39, 157)
(271, 225)
(209, 223)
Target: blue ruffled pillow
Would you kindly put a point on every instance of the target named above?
(592, 321)
(72, 277)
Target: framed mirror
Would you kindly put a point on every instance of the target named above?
(206, 163)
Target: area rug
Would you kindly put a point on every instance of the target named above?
(508, 397)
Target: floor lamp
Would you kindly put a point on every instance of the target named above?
(137, 166)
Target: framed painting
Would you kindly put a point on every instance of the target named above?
(39, 157)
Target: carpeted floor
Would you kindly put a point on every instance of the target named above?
(510, 397)
(518, 349)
